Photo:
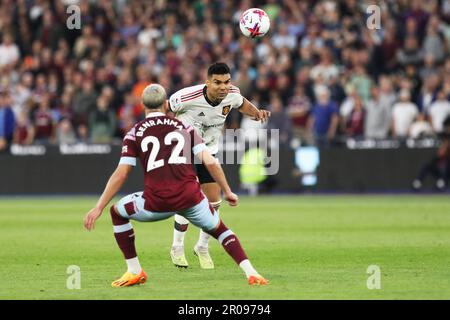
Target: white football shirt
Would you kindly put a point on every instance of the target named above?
(191, 106)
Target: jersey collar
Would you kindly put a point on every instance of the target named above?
(155, 114)
(207, 100)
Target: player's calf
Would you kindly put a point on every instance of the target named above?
(177, 251)
(125, 238)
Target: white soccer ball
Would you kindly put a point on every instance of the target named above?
(254, 23)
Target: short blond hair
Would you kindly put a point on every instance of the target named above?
(153, 96)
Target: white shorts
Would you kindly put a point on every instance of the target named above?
(201, 215)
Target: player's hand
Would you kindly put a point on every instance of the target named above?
(232, 199)
(262, 115)
(91, 217)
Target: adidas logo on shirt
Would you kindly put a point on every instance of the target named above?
(201, 114)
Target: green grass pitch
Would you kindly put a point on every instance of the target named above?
(310, 247)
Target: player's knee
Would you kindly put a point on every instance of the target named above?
(218, 230)
(117, 219)
(180, 227)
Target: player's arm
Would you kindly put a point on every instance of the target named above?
(214, 168)
(249, 109)
(117, 179)
(175, 104)
(169, 111)
(113, 186)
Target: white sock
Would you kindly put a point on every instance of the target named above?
(247, 267)
(178, 236)
(133, 265)
(203, 239)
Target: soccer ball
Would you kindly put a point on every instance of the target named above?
(254, 23)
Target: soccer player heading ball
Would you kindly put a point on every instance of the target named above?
(164, 147)
(205, 107)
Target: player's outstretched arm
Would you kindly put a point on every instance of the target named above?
(249, 109)
(113, 186)
(214, 168)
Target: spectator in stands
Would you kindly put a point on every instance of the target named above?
(325, 69)
(355, 124)
(337, 92)
(102, 122)
(415, 11)
(428, 92)
(83, 103)
(44, 121)
(387, 93)
(429, 67)
(65, 134)
(403, 115)
(420, 128)
(389, 48)
(298, 110)
(283, 39)
(411, 53)
(378, 115)
(324, 118)
(361, 81)
(86, 42)
(24, 131)
(411, 72)
(434, 41)
(439, 111)
(143, 80)
(50, 32)
(7, 121)
(22, 93)
(279, 120)
(312, 38)
(127, 116)
(9, 52)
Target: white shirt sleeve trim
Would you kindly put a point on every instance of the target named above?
(198, 148)
(128, 160)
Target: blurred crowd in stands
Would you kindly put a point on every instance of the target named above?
(322, 72)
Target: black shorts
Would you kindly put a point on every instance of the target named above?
(203, 174)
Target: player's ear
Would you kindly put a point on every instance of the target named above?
(166, 106)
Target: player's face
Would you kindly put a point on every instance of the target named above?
(218, 86)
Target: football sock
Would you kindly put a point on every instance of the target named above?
(124, 234)
(230, 243)
(203, 239)
(247, 267)
(133, 265)
(179, 231)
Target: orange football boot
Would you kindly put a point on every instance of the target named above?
(130, 279)
(257, 280)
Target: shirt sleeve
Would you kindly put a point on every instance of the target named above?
(129, 149)
(175, 104)
(238, 99)
(198, 145)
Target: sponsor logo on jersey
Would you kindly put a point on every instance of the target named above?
(226, 110)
